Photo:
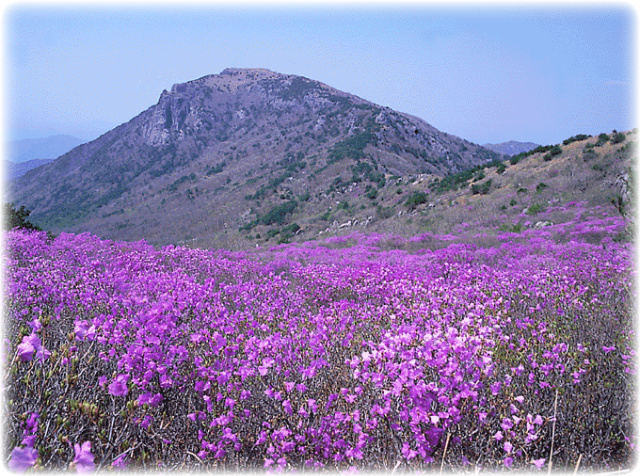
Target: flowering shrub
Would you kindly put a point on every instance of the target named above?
(327, 355)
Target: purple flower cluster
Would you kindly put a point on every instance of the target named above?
(24, 457)
(306, 356)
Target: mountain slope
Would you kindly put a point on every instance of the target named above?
(225, 151)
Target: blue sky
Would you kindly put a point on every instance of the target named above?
(537, 73)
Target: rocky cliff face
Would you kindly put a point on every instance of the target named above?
(216, 140)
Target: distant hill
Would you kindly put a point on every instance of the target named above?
(46, 148)
(511, 148)
(234, 155)
(14, 170)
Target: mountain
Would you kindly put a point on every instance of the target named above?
(246, 150)
(46, 148)
(14, 170)
(511, 148)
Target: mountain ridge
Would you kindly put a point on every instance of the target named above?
(511, 147)
(14, 170)
(280, 135)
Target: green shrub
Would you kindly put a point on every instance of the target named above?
(479, 177)
(617, 137)
(540, 187)
(287, 232)
(17, 218)
(482, 189)
(575, 138)
(278, 214)
(602, 139)
(216, 169)
(353, 146)
(415, 199)
(515, 228)
(185, 178)
(535, 209)
(555, 150)
(384, 212)
(454, 181)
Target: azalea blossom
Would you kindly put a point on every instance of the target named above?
(83, 457)
(31, 345)
(118, 387)
(22, 459)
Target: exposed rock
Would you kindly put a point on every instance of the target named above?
(541, 224)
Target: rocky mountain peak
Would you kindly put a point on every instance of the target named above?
(214, 141)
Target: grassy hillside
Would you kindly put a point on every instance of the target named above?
(548, 186)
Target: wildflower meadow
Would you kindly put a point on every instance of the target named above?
(364, 352)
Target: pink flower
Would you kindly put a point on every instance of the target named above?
(118, 387)
(83, 331)
(539, 463)
(84, 458)
(22, 459)
(120, 462)
(30, 345)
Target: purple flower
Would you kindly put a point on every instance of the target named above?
(32, 422)
(84, 458)
(508, 461)
(22, 459)
(120, 462)
(83, 330)
(30, 345)
(539, 463)
(606, 349)
(118, 387)
(506, 424)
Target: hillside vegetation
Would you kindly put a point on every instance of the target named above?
(550, 185)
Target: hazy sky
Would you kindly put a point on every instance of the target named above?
(485, 73)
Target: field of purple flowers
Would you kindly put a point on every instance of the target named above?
(361, 352)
